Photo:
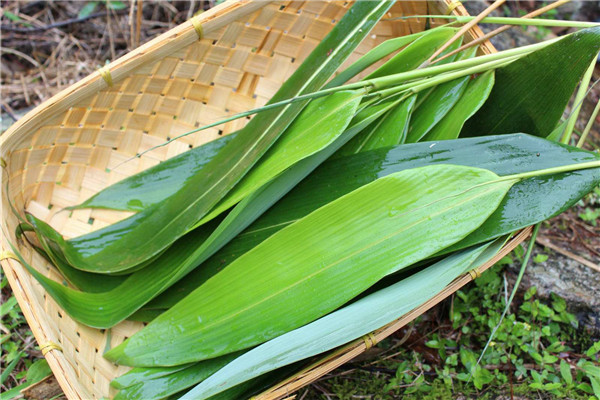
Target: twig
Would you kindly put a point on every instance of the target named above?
(58, 24)
(113, 53)
(190, 12)
(497, 31)
(9, 111)
(138, 22)
(464, 29)
(17, 53)
(131, 27)
(25, 91)
(545, 242)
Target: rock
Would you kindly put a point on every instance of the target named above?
(577, 284)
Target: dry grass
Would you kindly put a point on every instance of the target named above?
(48, 45)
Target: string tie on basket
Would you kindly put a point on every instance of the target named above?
(452, 6)
(369, 340)
(105, 74)
(197, 26)
(46, 348)
(474, 273)
(5, 255)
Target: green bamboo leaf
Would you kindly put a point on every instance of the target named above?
(385, 226)
(249, 388)
(105, 309)
(417, 52)
(437, 104)
(392, 128)
(159, 386)
(473, 98)
(86, 281)
(528, 95)
(300, 140)
(157, 183)
(372, 56)
(348, 323)
(322, 121)
(138, 375)
(145, 234)
(402, 104)
(528, 202)
(372, 115)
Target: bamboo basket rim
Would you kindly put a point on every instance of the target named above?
(161, 46)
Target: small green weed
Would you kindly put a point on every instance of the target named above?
(19, 366)
(591, 212)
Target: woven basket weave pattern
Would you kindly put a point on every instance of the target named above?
(65, 150)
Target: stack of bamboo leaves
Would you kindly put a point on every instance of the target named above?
(338, 208)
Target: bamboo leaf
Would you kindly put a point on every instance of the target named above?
(383, 50)
(384, 128)
(528, 97)
(323, 120)
(388, 225)
(346, 324)
(524, 205)
(161, 384)
(138, 375)
(144, 389)
(157, 183)
(437, 104)
(472, 99)
(370, 119)
(86, 281)
(415, 53)
(105, 309)
(393, 127)
(144, 235)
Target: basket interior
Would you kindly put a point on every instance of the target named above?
(65, 155)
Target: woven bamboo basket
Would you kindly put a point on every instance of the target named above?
(229, 59)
